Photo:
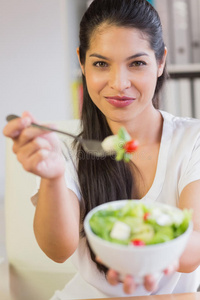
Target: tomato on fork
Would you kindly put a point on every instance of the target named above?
(131, 146)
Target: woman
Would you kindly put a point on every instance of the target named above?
(122, 57)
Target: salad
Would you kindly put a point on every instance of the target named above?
(139, 224)
(120, 144)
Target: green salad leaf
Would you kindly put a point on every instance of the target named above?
(140, 222)
(122, 137)
(120, 144)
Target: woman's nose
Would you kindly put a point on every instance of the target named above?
(119, 80)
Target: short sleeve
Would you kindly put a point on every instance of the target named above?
(34, 196)
(192, 170)
(71, 176)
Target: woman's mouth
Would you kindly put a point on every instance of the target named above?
(120, 101)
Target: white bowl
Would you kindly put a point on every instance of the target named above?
(136, 261)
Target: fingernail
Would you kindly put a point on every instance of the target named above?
(169, 270)
(44, 152)
(15, 134)
(41, 165)
(26, 121)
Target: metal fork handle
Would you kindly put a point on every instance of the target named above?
(12, 117)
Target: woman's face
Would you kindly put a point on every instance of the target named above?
(121, 72)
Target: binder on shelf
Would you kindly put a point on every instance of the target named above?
(194, 16)
(170, 96)
(185, 97)
(162, 7)
(181, 30)
(196, 93)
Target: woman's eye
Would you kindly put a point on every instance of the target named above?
(100, 64)
(138, 64)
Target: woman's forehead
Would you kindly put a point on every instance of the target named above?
(109, 37)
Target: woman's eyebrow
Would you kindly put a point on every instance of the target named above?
(128, 58)
(137, 55)
(99, 56)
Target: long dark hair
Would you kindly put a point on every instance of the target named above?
(104, 180)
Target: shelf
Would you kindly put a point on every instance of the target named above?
(184, 71)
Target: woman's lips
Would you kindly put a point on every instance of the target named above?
(118, 101)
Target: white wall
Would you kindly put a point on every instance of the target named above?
(33, 63)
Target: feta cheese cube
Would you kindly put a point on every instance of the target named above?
(120, 231)
(108, 143)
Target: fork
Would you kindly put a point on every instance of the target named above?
(93, 147)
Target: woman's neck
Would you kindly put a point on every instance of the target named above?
(146, 127)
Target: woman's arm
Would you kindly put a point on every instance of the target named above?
(190, 198)
(56, 222)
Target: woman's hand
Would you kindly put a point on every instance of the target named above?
(129, 285)
(39, 152)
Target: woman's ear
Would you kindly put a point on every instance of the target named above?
(78, 54)
(161, 64)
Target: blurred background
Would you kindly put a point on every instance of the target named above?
(39, 69)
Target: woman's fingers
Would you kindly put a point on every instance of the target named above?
(98, 259)
(37, 150)
(150, 283)
(172, 268)
(15, 127)
(29, 149)
(27, 114)
(32, 164)
(112, 277)
(45, 163)
(129, 285)
(28, 135)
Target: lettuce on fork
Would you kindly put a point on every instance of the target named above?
(121, 145)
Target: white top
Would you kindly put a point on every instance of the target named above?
(178, 165)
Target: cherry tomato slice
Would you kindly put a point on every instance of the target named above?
(131, 146)
(146, 215)
(138, 243)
